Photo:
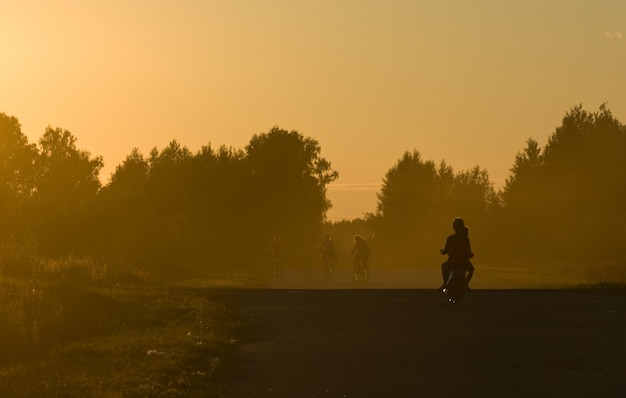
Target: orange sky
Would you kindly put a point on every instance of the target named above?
(463, 81)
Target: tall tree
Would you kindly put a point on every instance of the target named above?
(418, 200)
(66, 185)
(584, 160)
(170, 190)
(409, 198)
(569, 197)
(221, 205)
(126, 211)
(524, 207)
(16, 176)
(289, 179)
(473, 195)
(524, 173)
(408, 195)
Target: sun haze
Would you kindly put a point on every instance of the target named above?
(465, 82)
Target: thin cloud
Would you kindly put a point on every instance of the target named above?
(354, 187)
(613, 35)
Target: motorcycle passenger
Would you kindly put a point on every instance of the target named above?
(361, 251)
(459, 252)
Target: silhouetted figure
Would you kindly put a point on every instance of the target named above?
(328, 249)
(361, 253)
(329, 256)
(276, 253)
(459, 252)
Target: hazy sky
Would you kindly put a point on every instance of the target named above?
(467, 82)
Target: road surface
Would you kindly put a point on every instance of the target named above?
(413, 343)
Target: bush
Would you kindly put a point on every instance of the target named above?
(18, 258)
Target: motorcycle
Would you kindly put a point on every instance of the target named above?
(456, 286)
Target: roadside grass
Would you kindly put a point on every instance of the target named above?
(67, 333)
(550, 275)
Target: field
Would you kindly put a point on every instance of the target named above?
(67, 332)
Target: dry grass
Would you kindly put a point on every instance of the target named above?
(549, 275)
(74, 330)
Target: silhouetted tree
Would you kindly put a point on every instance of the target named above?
(418, 201)
(406, 203)
(524, 174)
(176, 209)
(126, 216)
(171, 191)
(216, 208)
(223, 214)
(570, 196)
(472, 196)
(523, 213)
(289, 181)
(66, 185)
(17, 179)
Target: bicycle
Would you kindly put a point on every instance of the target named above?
(329, 268)
(277, 266)
(361, 272)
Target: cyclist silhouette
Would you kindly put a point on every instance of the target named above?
(329, 256)
(362, 255)
(276, 252)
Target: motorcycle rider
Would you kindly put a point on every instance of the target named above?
(459, 252)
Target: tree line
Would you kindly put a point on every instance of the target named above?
(174, 210)
(563, 203)
(171, 211)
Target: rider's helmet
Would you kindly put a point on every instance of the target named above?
(458, 223)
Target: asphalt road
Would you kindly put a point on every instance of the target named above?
(413, 343)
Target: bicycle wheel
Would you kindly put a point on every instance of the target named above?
(356, 273)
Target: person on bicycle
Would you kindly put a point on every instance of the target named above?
(361, 251)
(329, 256)
(276, 253)
(328, 250)
(459, 251)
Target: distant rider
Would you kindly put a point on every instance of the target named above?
(361, 251)
(459, 252)
(329, 255)
(276, 252)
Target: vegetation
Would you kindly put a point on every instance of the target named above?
(562, 204)
(178, 213)
(173, 212)
(77, 329)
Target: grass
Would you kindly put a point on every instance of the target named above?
(549, 275)
(72, 333)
